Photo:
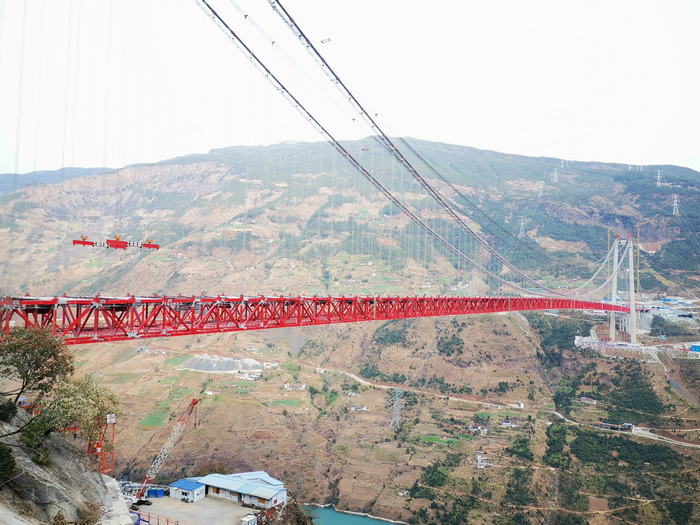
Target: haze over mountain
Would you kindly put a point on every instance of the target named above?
(296, 219)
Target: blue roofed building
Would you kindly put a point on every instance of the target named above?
(187, 490)
(257, 489)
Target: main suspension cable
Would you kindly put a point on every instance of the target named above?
(389, 145)
(311, 119)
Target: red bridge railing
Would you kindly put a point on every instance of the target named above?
(100, 319)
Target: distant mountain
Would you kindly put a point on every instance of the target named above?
(10, 182)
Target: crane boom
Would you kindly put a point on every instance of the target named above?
(162, 456)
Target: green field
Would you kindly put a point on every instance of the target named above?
(231, 383)
(177, 360)
(286, 402)
(168, 380)
(155, 418)
(435, 439)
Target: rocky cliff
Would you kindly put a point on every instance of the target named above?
(67, 485)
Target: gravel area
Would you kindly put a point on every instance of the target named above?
(207, 511)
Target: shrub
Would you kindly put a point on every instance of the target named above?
(8, 411)
(7, 461)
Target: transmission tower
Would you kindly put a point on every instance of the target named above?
(541, 188)
(676, 211)
(398, 406)
(562, 163)
(555, 176)
(658, 178)
(521, 233)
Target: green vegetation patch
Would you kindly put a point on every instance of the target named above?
(181, 392)
(231, 383)
(556, 440)
(634, 400)
(521, 448)
(175, 361)
(285, 402)
(369, 371)
(518, 491)
(436, 475)
(595, 448)
(393, 333)
(168, 380)
(154, 419)
(435, 439)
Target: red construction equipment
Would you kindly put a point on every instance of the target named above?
(162, 456)
(103, 460)
(116, 243)
(101, 319)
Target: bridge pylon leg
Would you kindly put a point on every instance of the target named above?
(613, 292)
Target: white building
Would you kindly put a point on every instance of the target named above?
(187, 490)
(258, 489)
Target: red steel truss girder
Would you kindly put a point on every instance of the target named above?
(101, 319)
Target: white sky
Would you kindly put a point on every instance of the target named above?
(114, 82)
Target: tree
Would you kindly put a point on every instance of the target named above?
(82, 402)
(35, 359)
(210, 467)
(85, 403)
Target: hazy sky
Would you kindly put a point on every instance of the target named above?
(114, 82)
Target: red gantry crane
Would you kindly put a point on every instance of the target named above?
(116, 243)
(167, 448)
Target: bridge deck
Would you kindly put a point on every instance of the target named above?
(99, 319)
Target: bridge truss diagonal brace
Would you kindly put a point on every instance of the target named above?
(99, 319)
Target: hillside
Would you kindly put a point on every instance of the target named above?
(455, 373)
(294, 219)
(66, 485)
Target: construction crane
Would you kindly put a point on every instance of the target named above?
(639, 285)
(162, 456)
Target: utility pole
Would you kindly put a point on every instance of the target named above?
(541, 188)
(613, 293)
(676, 211)
(521, 234)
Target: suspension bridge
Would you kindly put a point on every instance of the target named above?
(81, 320)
